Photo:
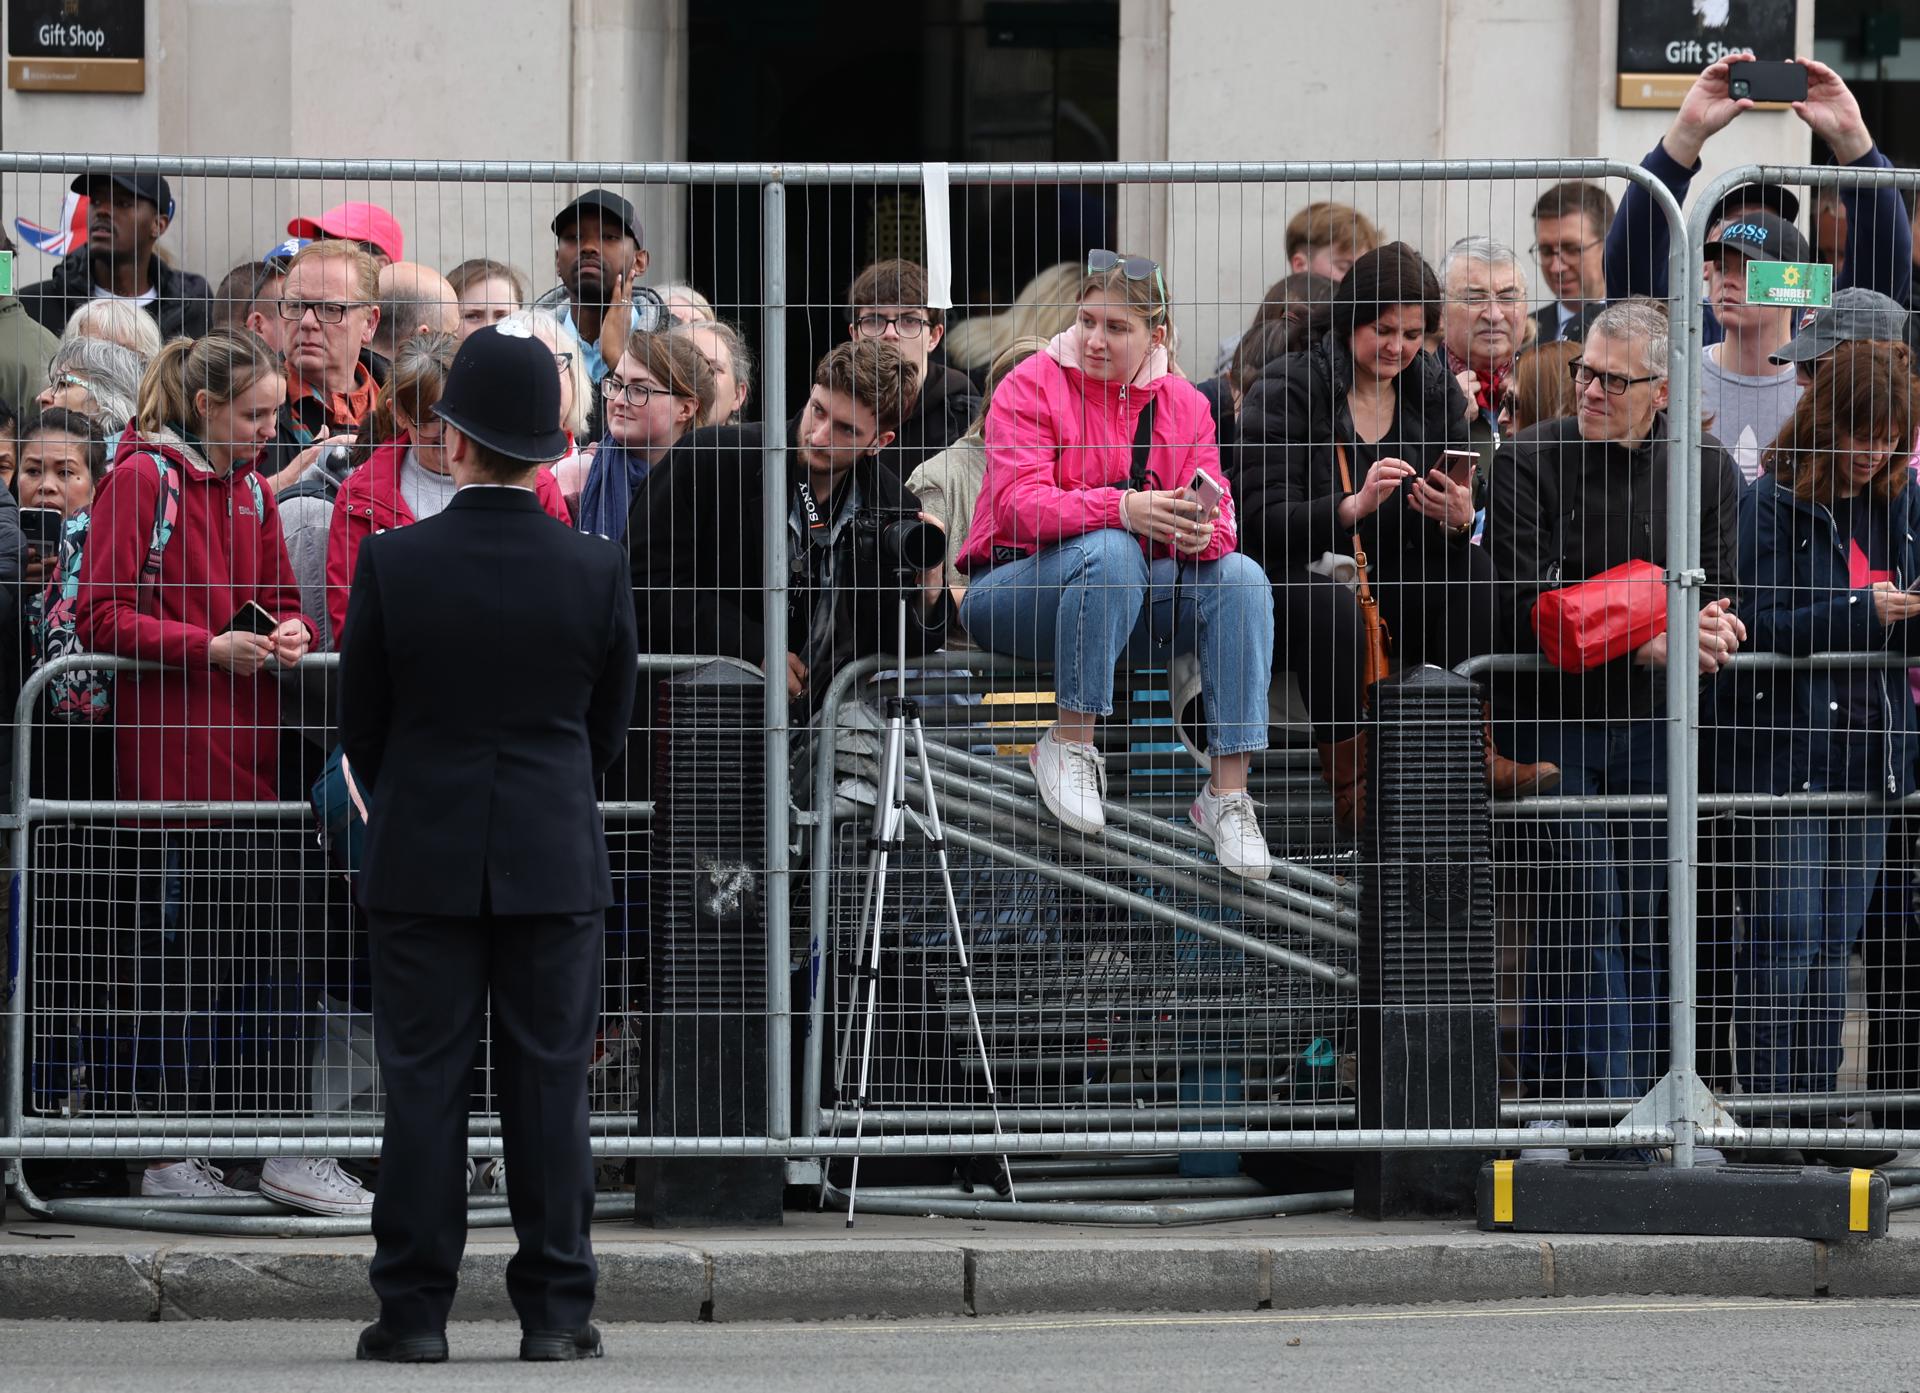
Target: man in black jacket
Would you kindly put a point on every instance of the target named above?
(888, 303)
(487, 677)
(1570, 223)
(1570, 500)
(698, 563)
(126, 217)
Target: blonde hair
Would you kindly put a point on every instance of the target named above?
(1011, 357)
(366, 270)
(1045, 306)
(680, 290)
(116, 321)
(223, 365)
(551, 330)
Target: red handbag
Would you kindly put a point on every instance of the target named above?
(1602, 618)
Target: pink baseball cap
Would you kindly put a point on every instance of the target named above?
(356, 222)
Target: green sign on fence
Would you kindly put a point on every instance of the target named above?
(6, 273)
(1802, 284)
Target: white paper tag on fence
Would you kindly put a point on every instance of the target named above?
(939, 231)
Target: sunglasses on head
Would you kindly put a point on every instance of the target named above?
(1134, 268)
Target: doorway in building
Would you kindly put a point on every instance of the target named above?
(886, 81)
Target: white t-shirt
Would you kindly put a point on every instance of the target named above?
(146, 297)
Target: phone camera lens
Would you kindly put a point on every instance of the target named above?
(1740, 88)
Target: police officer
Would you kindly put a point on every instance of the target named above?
(483, 691)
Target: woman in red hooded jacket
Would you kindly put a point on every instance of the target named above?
(1104, 527)
(185, 567)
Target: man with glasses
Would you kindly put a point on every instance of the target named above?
(1570, 224)
(1482, 323)
(1572, 499)
(329, 313)
(127, 214)
(888, 303)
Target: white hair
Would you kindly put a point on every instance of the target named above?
(117, 321)
(1484, 250)
(551, 330)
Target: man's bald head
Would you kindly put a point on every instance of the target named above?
(414, 299)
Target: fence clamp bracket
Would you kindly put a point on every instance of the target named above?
(1691, 580)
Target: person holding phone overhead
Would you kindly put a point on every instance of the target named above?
(183, 538)
(1090, 542)
(1344, 479)
(486, 876)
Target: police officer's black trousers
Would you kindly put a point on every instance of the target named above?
(432, 978)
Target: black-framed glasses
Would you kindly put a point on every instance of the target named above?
(1564, 251)
(563, 361)
(632, 393)
(326, 311)
(1612, 383)
(1134, 268)
(907, 326)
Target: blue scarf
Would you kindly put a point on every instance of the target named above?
(608, 495)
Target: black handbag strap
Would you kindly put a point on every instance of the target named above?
(1142, 449)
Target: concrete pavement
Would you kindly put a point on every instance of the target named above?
(814, 1268)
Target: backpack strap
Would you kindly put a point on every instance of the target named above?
(166, 516)
(1142, 449)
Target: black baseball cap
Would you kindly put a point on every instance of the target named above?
(603, 201)
(502, 391)
(1763, 237)
(1775, 198)
(151, 187)
(1856, 315)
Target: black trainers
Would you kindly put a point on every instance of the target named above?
(379, 1343)
(547, 1346)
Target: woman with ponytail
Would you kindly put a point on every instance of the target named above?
(185, 567)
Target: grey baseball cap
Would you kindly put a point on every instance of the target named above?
(1855, 314)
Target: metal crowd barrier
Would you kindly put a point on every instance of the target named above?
(1294, 936)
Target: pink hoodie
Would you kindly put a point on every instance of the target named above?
(1060, 450)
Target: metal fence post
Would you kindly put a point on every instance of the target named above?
(773, 406)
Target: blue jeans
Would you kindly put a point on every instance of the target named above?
(1081, 605)
(1812, 881)
(1594, 1021)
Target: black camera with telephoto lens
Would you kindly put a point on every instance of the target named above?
(898, 543)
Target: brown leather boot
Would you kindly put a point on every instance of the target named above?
(1343, 766)
(1505, 779)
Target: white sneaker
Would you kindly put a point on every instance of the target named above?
(1230, 820)
(197, 1179)
(1072, 779)
(487, 1177)
(314, 1186)
(1549, 1131)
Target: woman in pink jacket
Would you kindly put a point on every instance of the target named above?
(1104, 529)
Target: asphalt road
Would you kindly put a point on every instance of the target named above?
(1643, 1345)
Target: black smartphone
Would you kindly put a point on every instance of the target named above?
(41, 527)
(252, 618)
(1767, 82)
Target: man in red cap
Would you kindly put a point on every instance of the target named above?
(372, 226)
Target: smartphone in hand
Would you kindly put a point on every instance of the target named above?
(1767, 81)
(41, 529)
(1208, 492)
(1458, 465)
(252, 618)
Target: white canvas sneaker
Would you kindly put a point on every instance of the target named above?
(314, 1186)
(195, 1179)
(1229, 819)
(1073, 780)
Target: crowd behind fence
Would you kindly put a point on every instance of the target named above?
(186, 973)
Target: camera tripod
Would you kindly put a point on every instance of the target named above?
(891, 817)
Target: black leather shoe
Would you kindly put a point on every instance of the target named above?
(378, 1342)
(545, 1346)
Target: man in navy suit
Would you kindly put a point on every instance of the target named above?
(487, 677)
